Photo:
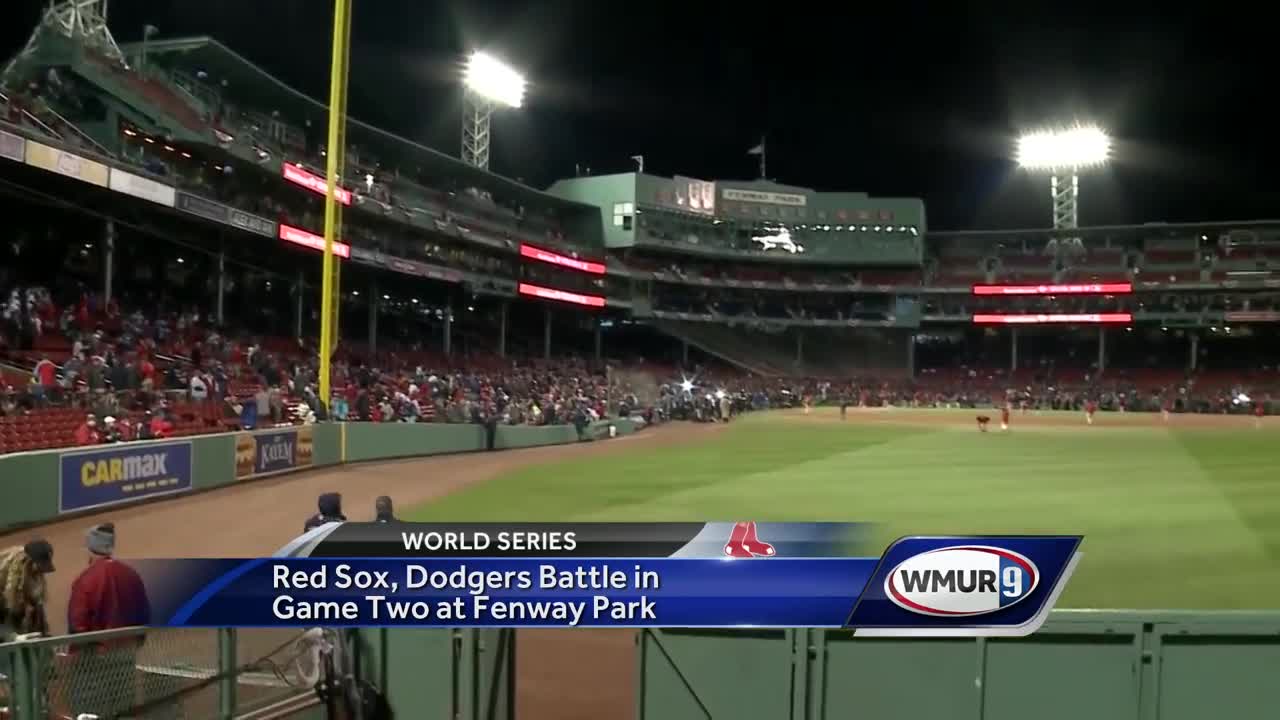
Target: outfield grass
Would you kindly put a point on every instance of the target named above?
(1176, 517)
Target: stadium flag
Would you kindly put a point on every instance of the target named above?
(759, 151)
(639, 162)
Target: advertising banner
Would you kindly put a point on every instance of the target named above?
(206, 209)
(141, 187)
(12, 146)
(298, 236)
(546, 256)
(267, 453)
(560, 295)
(252, 223)
(65, 163)
(122, 473)
(314, 183)
(765, 197)
(219, 213)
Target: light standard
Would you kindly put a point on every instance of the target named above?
(1064, 153)
(489, 84)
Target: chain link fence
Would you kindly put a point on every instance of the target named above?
(159, 674)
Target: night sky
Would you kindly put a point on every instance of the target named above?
(916, 100)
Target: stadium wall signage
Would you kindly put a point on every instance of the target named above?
(314, 183)
(767, 198)
(12, 146)
(140, 187)
(124, 473)
(546, 256)
(404, 266)
(560, 295)
(1041, 319)
(1080, 289)
(298, 236)
(220, 213)
(268, 453)
(65, 163)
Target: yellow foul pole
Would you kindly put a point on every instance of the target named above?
(332, 209)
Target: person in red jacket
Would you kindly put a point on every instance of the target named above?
(161, 428)
(106, 595)
(87, 433)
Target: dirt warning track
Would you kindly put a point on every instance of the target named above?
(562, 674)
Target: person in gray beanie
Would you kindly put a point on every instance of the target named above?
(106, 595)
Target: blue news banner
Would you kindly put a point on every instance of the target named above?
(678, 575)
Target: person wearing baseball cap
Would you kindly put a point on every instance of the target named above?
(22, 589)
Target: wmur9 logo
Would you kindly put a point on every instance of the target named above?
(961, 581)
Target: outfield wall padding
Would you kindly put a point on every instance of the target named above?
(39, 486)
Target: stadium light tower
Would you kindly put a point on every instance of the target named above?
(1063, 154)
(488, 84)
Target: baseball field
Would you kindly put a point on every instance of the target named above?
(1184, 515)
(1177, 515)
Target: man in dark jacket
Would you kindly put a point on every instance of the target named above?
(383, 511)
(330, 507)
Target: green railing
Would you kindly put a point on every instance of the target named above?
(158, 673)
(201, 674)
(1102, 665)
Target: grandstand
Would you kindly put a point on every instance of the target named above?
(169, 213)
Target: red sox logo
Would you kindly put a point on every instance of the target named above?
(744, 543)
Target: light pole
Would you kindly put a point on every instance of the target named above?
(488, 84)
(1063, 154)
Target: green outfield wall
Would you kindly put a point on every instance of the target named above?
(42, 486)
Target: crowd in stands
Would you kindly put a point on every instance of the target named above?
(88, 372)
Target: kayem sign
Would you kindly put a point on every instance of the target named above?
(288, 233)
(314, 183)
(991, 319)
(560, 295)
(1080, 289)
(547, 256)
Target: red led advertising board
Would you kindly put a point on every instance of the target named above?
(297, 236)
(547, 256)
(998, 319)
(1076, 289)
(314, 183)
(561, 295)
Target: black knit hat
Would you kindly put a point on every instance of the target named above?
(41, 553)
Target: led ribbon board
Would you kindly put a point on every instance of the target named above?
(547, 256)
(561, 295)
(297, 236)
(1078, 289)
(1044, 319)
(314, 183)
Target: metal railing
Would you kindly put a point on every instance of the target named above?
(160, 674)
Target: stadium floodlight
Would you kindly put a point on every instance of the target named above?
(488, 84)
(1064, 153)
